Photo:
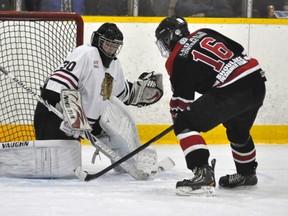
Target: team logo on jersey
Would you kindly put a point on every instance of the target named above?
(96, 64)
(189, 43)
(230, 67)
(183, 40)
(106, 87)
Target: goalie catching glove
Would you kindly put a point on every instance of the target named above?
(147, 90)
(75, 121)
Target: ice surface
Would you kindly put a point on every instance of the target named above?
(121, 195)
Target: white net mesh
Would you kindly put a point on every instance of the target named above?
(32, 45)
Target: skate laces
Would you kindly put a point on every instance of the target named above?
(197, 172)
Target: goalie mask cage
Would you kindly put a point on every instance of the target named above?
(32, 45)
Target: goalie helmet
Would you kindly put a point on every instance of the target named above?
(169, 32)
(109, 40)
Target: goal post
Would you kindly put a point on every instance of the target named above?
(32, 45)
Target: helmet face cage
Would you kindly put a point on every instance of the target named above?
(169, 32)
(108, 39)
(163, 45)
(111, 48)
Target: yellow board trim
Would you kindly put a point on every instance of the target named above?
(131, 19)
(266, 134)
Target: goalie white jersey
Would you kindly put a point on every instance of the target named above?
(83, 70)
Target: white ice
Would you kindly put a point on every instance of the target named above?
(120, 195)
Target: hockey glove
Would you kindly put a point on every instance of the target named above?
(178, 105)
(147, 90)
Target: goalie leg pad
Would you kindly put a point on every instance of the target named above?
(116, 121)
(40, 159)
(123, 135)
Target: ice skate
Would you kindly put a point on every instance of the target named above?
(202, 184)
(235, 180)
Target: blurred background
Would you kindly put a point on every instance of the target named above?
(187, 8)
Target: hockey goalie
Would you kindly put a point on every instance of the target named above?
(90, 91)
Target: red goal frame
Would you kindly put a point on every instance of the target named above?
(56, 16)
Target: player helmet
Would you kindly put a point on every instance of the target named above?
(169, 32)
(109, 40)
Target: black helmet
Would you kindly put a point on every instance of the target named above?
(109, 40)
(169, 32)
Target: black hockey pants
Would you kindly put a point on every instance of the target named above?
(235, 106)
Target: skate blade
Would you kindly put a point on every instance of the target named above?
(240, 187)
(204, 191)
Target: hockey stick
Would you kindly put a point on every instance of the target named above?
(137, 174)
(87, 177)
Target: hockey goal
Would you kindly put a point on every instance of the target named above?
(32, 45)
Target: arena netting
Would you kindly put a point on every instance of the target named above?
(32, 45)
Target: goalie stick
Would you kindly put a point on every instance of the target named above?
(137, 174)
(112, 155)
(87, 177)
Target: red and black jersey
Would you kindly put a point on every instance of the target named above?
(206, 59)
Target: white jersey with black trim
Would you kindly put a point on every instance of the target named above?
(83, 70)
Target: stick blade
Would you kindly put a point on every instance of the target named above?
(80, 173)
(166, 164)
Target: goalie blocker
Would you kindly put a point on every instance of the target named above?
(75, 121)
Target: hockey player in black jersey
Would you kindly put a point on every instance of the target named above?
(232, 88)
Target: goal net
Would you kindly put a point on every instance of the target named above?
(32, 45)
